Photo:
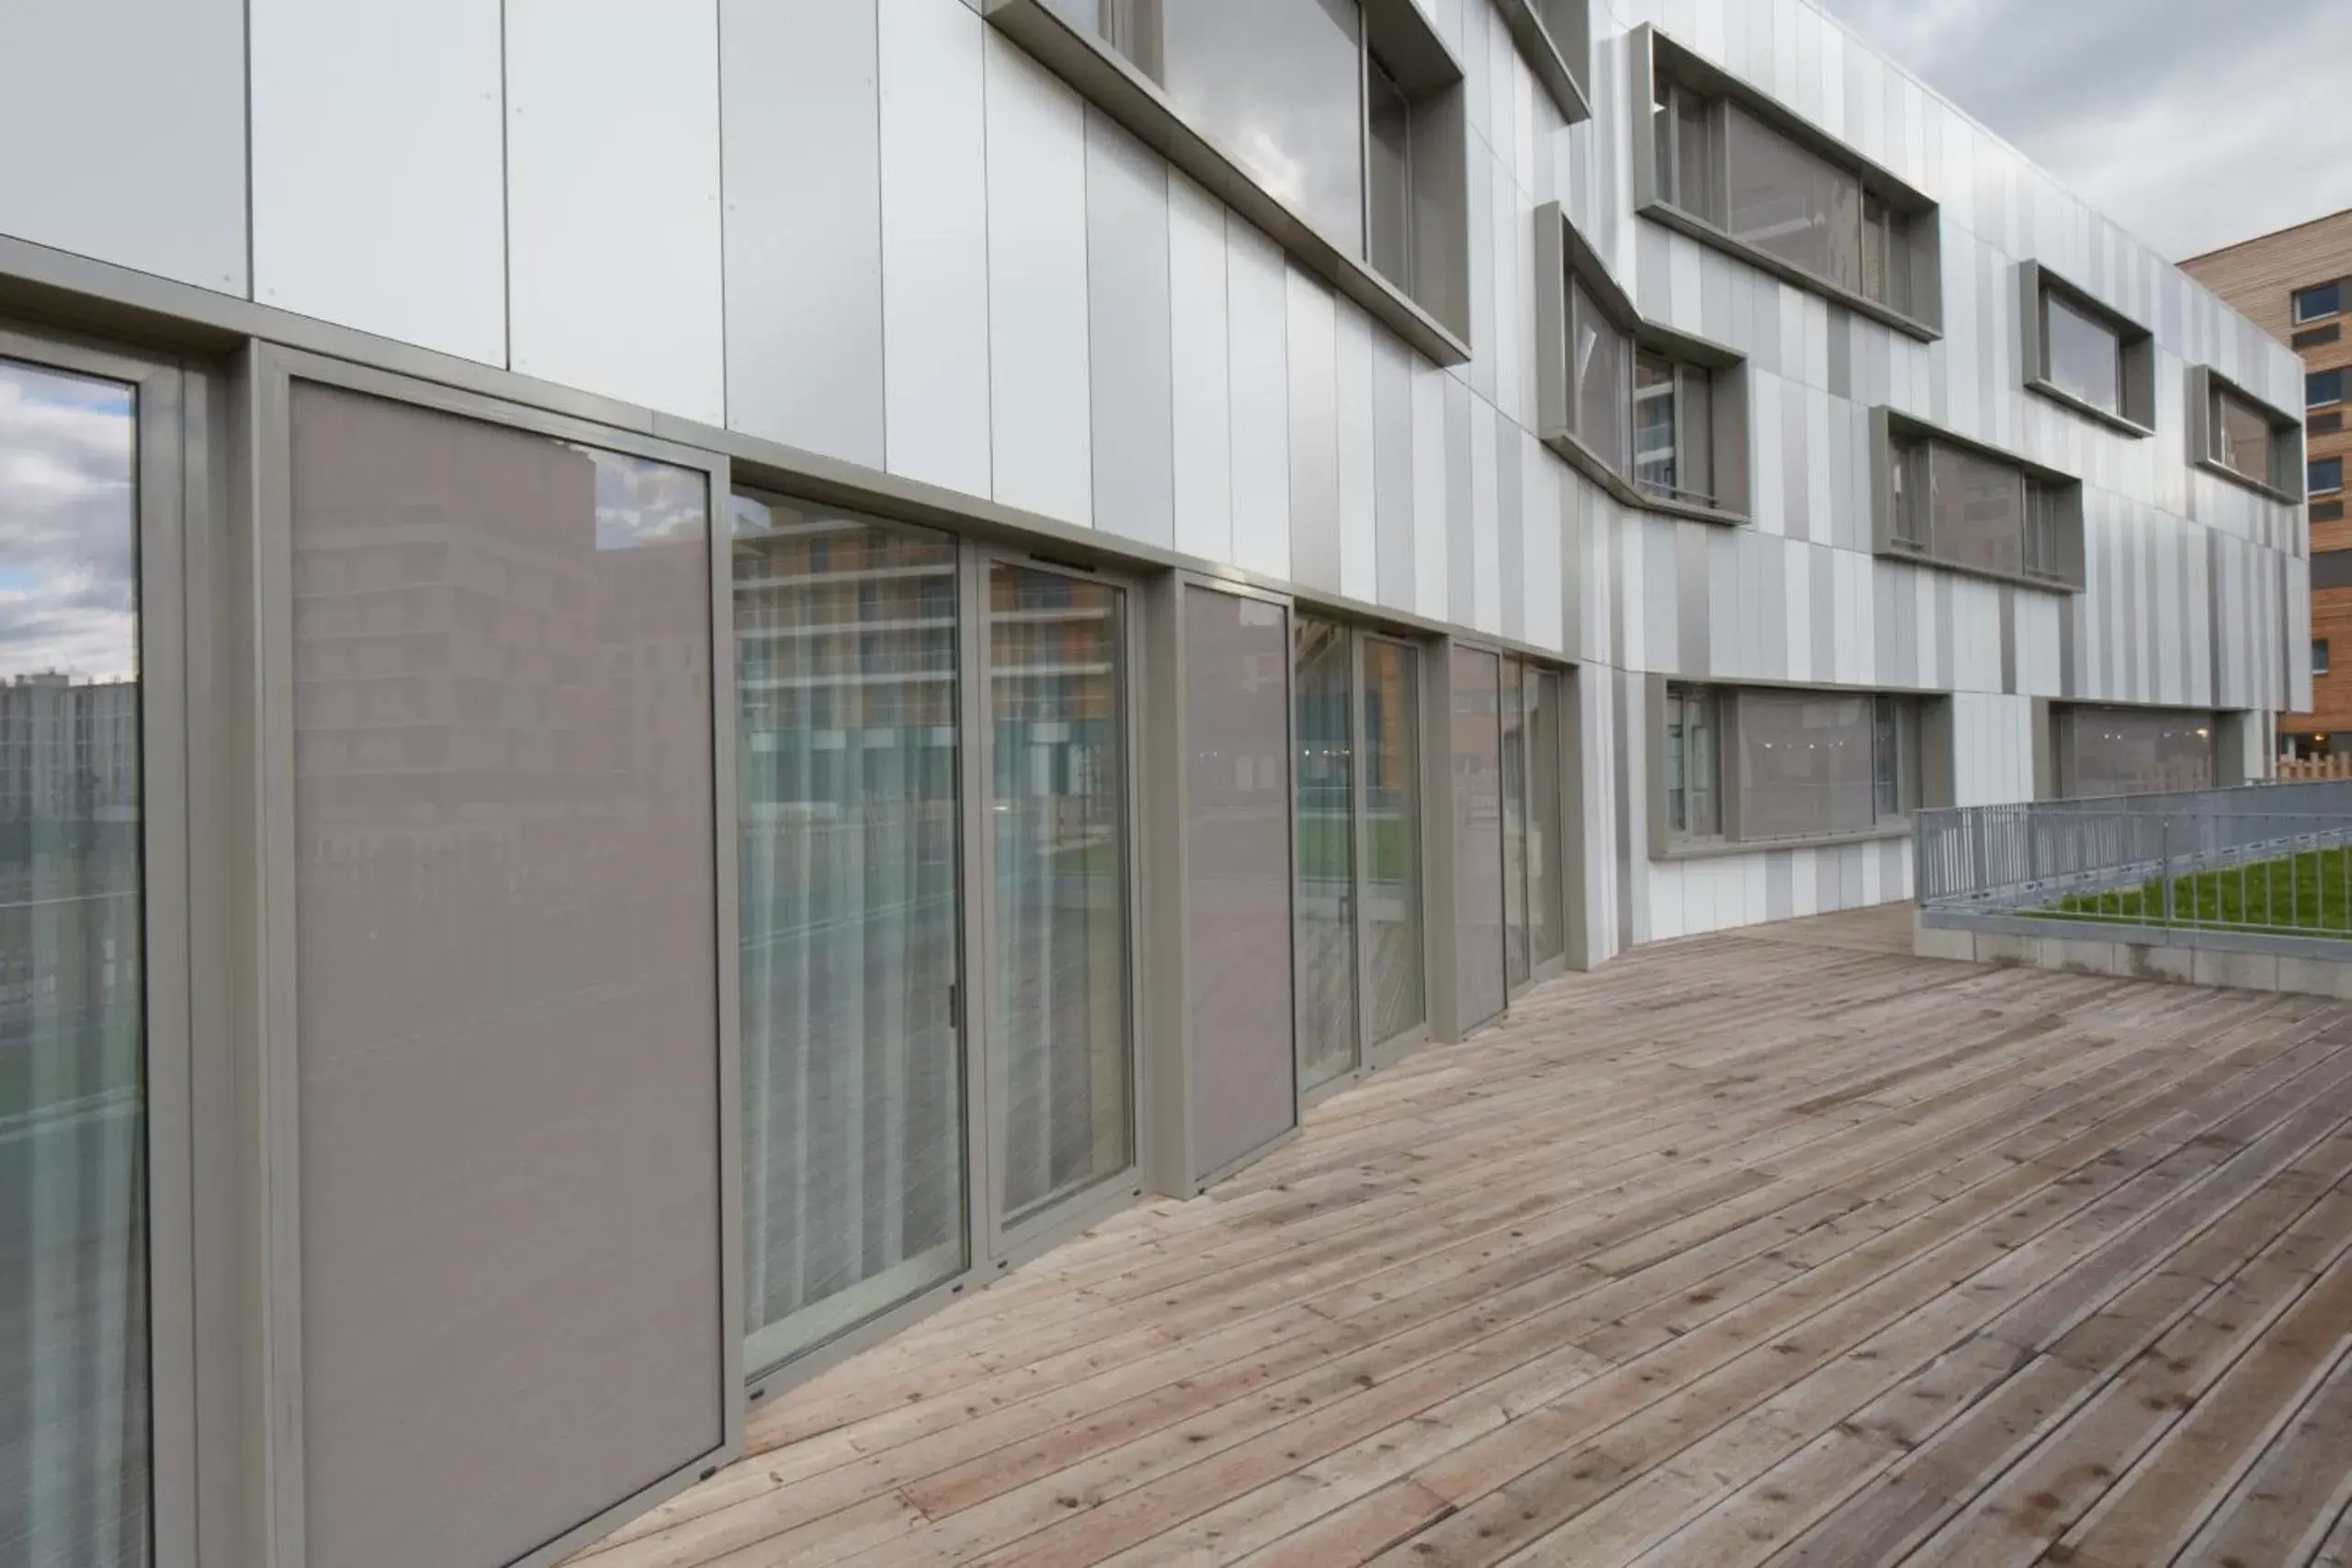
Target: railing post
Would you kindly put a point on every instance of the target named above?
(2163, 830)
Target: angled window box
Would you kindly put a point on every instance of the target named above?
(2079, 351)
(2237, 435)
(1657, 417)
(1555, 37)
(1943, 500)
(1340, 131)
(1736, 169)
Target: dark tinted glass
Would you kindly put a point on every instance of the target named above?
(2323, 387)
(2325, 299)
(2326, 474)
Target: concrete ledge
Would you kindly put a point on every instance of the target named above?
(2070, 947)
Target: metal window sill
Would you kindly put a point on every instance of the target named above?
(1589, 463)
(2107, 417)
(1559, 78)
(1706, 233)
(1111, 83)
(1891, 550)
(2246, 481)
(1718, 849)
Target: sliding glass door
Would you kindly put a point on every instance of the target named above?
(1547, 924)
(73, 1229)
(1510, 917)
(847, 661)
(1327, 851)
(1061, 1038)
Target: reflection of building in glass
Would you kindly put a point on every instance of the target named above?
(69, 752)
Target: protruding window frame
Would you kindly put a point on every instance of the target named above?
(2135, 346)
(1892, 431)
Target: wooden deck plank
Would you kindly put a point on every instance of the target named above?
(1776, 1245)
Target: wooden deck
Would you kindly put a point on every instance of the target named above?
(1781, 1247)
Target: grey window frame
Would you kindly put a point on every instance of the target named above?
(1570, 278)
(2135, 415)
(2334, 286)
(2208, 389)
(1666, 71)
(1114, 65)
(1923, 763)
(1555, 39)
(2051, 516)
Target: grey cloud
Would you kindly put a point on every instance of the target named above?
(68, 540)
(2193, 123)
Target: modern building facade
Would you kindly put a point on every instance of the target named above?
(2294, 285)
(783, 648)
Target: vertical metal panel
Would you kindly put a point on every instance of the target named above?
(1258, 332)
(1543, 556)
(1236, 698)
(801, 133)
(1394, 476)
(613, 201)
(934, 245)
(1313, 366)
(1510, 553)
(125, 121)
(379, 177)
(1460, 536)
(1037, 301)
(1128, 349)
(1359, 483)
(1199, 326)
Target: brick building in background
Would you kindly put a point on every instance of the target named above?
(2296, 284)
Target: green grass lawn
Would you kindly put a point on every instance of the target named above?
(2308, 892)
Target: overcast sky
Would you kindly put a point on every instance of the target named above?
(2193, 123)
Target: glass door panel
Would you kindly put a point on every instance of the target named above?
(1060, 1020)
(1514, 788)
(846, 747)
(1327, 852)
(1546, 920)
(1397, 987)
(74, 1348)
(1477, 836)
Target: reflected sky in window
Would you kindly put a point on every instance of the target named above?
(68, 594)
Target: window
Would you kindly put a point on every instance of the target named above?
(1691, 769)
(2245, 438)
(1729, 166)
(1673, 437)
(2319, 656)
(1754, 766)
(2323, 387)
(2326, 475)
(2321, 299)
(1348, 118)
(1962, 507)
(1599, 352)
(2081, 355)
(2114, 751)
(2084, 354)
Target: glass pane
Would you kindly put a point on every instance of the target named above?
(845, 662)
(508, 1039)
(1546, 920)
(2136, 751)
(1654, 424)
(1979, 512)
(2243, 435)
(2311, 303)
(1388, 196)
(2325, 475)
(1239, 867)
(1392, 793)
(2323, 387)
(1514, 778)
(1477, 836)
(1059, 1014)
(74, 1441)
(1790, 204)
(1276, 85)
(1697, 188)
(1886, 760)
(1694, 770)
(1601, 352)
(2085, 359)
(1805, 765)
(1326, 853)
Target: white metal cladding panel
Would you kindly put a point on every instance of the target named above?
(613, 201)
(379, 176)
(1545, 625)
(1199, 325)
(1313, 367)
(934, 245)
(1359, 564)
(1485, 524)
(1256, 305)
(803, 163)
(1429, 490)
(1127, 335)
(1039, 375)
(124, 125)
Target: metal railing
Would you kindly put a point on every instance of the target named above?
(2259, 859)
